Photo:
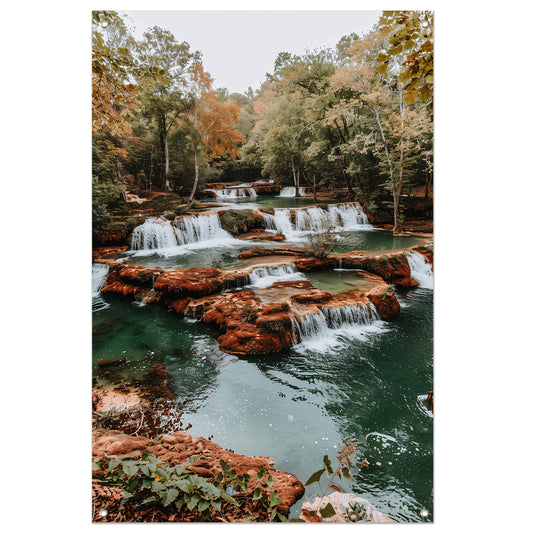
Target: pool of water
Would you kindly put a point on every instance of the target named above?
(301, 404)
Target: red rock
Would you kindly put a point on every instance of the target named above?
(191, 282)
(314, 263)
(385, 301)
(180, 446)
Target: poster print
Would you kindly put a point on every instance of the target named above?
(262, 267)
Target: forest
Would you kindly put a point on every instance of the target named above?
(357, 117)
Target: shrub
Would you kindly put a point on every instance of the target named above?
(323, 242)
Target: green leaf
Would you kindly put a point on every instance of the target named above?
(381, 68)
(150, 499)
(269, 481)
(179, 504)
(168, 497)
(283, 518)
(127, 495)
(147, 483)
(315, 477)
(274, 499)
(191, 460)
(193, 500)
(346, 473)
(228, 498)
(130, 468)
(203, 505)
(96, 465)
(404, 76)
(217, 504)
(257, 494)
(327, 465)
(424, 92)
(145, 470)
(328, 511)
(157, 487)
(225, 466)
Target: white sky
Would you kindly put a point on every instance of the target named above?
(240, 47)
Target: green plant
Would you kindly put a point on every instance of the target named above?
(149, 485)
(345, 459)
(322, 242)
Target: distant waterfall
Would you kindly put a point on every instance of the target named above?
(234, 192)
(321, 329)
(421, 270)
(158, 233)
(263, 277)
(316, 219)
(99, 276)
(291, 191)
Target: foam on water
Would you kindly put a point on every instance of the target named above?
(328, 327)
(291, 191)
(99, 275)
(263, 277)
(421, 270)
(182, 236)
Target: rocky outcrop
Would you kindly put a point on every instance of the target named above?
(238, 221)
(177, 447)
(259, 235)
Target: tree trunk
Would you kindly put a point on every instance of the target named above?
(164, 143)
(196, 178)
(314, 187)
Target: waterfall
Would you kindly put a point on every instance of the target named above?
(421, 270)
(316, 219)
(291, 191)
(263, 277)
(321, 330)
(279, 222)
(99, 275)
(235, 192)
(154, 233)
(160, 233)
(199, 228)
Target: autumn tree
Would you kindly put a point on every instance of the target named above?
(211, 122)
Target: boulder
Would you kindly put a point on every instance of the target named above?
(177, 447)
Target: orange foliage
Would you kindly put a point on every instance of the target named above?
(215, 120)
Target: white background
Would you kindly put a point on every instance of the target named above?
(483, 290)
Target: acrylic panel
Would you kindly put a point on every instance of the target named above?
(262, 269)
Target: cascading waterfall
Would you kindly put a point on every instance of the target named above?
(291, 191)
(316, 219)
(280, 222)
(199, 228)
(421, 270)
(234, 192)
(160, 233)
(99, 276)
(263, 277)
(154, 233)
(321, 329)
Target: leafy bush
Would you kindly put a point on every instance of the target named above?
(149, 485)
(322, 242)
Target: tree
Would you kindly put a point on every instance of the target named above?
(114, 96)
(211, 121)
(165, 62)
(410, 37)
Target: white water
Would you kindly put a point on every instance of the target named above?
(184, 234)
(99, 275)
(235, 192)
(325, 329)
(263, 277)
(315, 219)
(421, 270)
(291, 191)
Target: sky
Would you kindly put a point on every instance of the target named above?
(240, 47)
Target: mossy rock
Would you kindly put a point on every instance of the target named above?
(238, 221)
(267, 210)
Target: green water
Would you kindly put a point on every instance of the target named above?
(301, 404)
(224, 254)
